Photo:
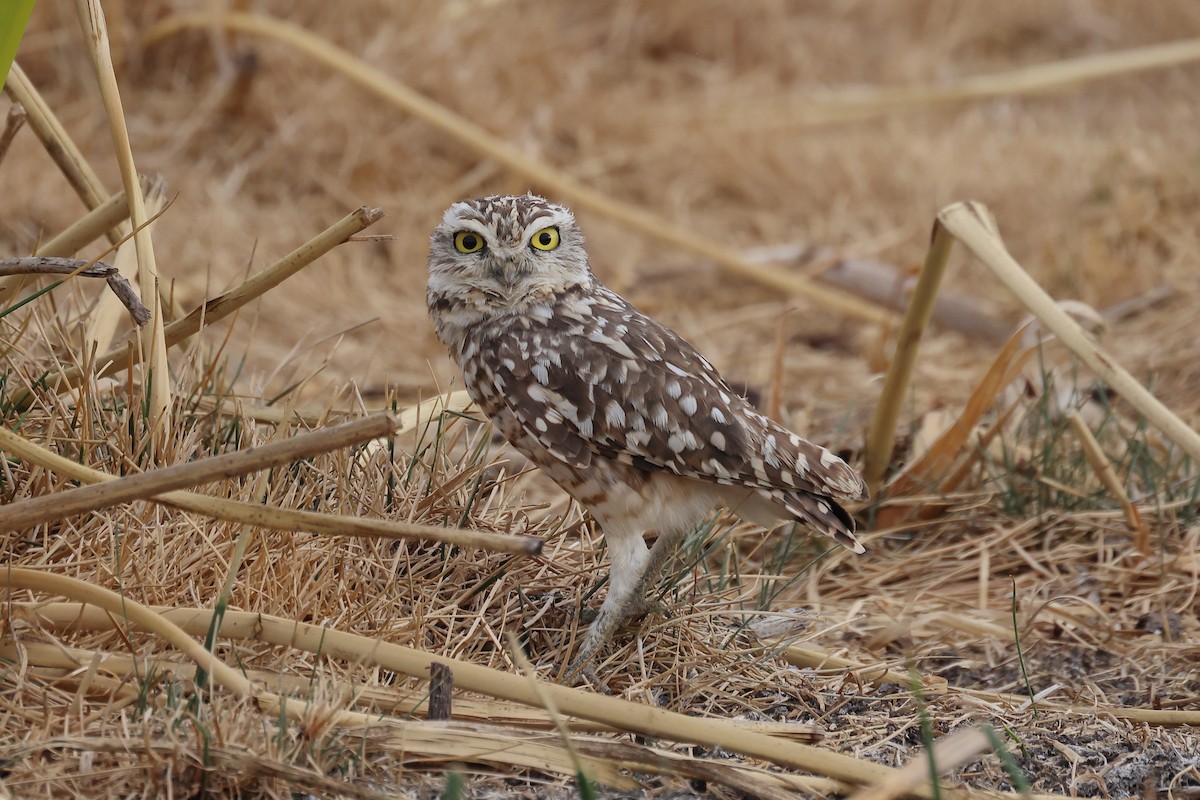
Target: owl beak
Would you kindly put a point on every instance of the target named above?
(506, 274)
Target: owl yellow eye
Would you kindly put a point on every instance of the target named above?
(545, 239)
(468, 242)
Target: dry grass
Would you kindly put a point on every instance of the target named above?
(1076, 537)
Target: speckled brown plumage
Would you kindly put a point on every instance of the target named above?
(620, 411)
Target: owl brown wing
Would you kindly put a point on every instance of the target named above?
(599, 377)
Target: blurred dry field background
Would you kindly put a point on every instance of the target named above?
(711, 117)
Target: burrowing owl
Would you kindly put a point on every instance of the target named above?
(618, 410)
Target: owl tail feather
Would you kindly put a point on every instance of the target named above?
(767, 507)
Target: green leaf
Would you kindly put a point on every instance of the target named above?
(14, 16)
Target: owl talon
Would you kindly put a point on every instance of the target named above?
(580, 672)
(646, 608)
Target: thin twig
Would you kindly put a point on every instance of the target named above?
(19, 516)
(222, 306)
(49, 265)
(12, 123)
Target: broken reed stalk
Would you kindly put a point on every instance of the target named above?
(223, 305)
(935, 466)
(126, 610)
(881, 436)
(154, 346)
(44, 265)
(65, 615)
(113, 674)
(381, 699)
(543, 175)
(454, 402)
(277, 518)
(972, 224)
(21, 515)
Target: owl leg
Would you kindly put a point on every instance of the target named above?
(662, 551)
(634, 570)
(629, 556)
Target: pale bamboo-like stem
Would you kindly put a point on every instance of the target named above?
(70, 615)
(968, 222)
(58, 656)
(283, 519)
(23, 514)
(601, 758)
(154, 346)
(263, 281)
(118, 609)
(121, 609)
(949, 753)
(543, 175)
(882, 435)
(611, 711)
(645, 719)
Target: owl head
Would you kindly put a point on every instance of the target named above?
(504, 253)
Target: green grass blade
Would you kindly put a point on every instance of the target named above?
(14, 16)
